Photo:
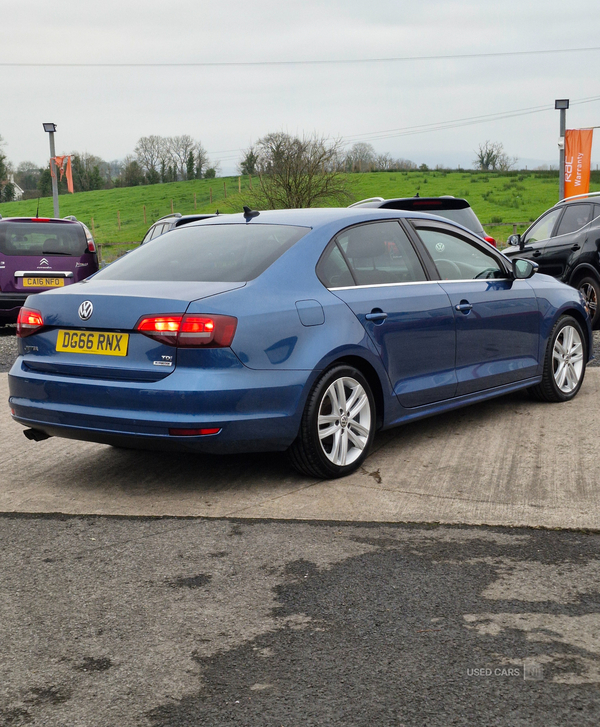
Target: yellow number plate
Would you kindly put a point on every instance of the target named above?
(106, 344)
(43, 282)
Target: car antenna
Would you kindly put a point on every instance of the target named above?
(417, 194)
(37, 212)
(217, 212)
(249, 214)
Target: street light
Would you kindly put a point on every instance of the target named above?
(561, 104)
(51, 128)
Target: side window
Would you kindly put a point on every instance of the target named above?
(380, 253)
(542, 229)
(457, 259)
(332, 270)
(596, 211)
(574, 218)
(158, 230)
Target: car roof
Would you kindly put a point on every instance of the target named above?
(444, 202)
(321, 217)
(41, 219)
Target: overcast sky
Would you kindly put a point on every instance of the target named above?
(104, 111)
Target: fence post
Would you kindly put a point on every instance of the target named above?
(119, 219)
(225, 189)
(239, 184)
(145, 215)
(514, 228)
(171, 206)
(195, 205)
(210, 194)
(93, 228)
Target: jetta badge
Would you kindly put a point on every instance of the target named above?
(85, 310)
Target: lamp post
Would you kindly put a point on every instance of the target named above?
(51, 128)
(561, 104)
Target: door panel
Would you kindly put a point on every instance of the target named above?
(416, 339)
(497, 337)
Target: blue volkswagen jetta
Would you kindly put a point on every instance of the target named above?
(298, 330)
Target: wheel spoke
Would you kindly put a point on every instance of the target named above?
(358, 442)
(358, 428)
(560, 374)
(329, 431)
(343, 455)
(353, 412)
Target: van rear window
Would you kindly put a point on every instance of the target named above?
(42, 238)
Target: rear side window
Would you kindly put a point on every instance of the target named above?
(42, 238)
(378, 253)
(208, 253)
(574, 218)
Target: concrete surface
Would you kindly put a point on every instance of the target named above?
(509, 461)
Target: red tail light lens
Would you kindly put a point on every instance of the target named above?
(190, 330)
(29, 321)
(91, 245)
(491, 240)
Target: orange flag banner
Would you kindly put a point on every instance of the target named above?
(64, 165)
(578, 157)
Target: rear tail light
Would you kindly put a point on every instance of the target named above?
(190, 330)
(91, 245)
(491, 240)
(29, 321)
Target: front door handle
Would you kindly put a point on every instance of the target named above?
(537, 253)
(575, 247)
(376, 316)
(464, 306)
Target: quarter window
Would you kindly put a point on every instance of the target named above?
(457, 259)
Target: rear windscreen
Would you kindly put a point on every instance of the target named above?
(229, 253)
(42, 238)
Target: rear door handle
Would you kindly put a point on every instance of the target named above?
(376, 316)
(463, 307)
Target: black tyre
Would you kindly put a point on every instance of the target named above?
(337, 426)
(564, 362)
(590, 289)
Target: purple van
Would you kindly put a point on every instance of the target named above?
(39, 253)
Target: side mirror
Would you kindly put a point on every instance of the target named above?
(514, 240)
(523, 269)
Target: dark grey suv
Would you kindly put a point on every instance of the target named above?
(565, 243)
(170, 222)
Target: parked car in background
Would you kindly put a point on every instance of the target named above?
(452, 208)
(300, 330)
(170, 222)
(565, 243)
(40, 253)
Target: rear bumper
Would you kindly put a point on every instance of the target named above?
(255, 410)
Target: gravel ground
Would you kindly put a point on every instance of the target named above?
(8, 348)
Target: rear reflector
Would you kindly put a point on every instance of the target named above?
(190, 330)
(29, 321)
(194, 432)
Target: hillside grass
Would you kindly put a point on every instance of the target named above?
(499, 200)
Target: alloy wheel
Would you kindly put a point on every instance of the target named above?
(344, 421)
(567, 359)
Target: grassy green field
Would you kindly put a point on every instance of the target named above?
(499, 200)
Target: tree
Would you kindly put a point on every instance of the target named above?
(249, 161)
(202, 161)
(133, 174)
(180, 148)
(490, 156)
(27, 175)
(190, 172)
(298, 172)
(150, 152)
(86, 172)
(361, 158)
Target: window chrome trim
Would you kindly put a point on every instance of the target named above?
(422, 282)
